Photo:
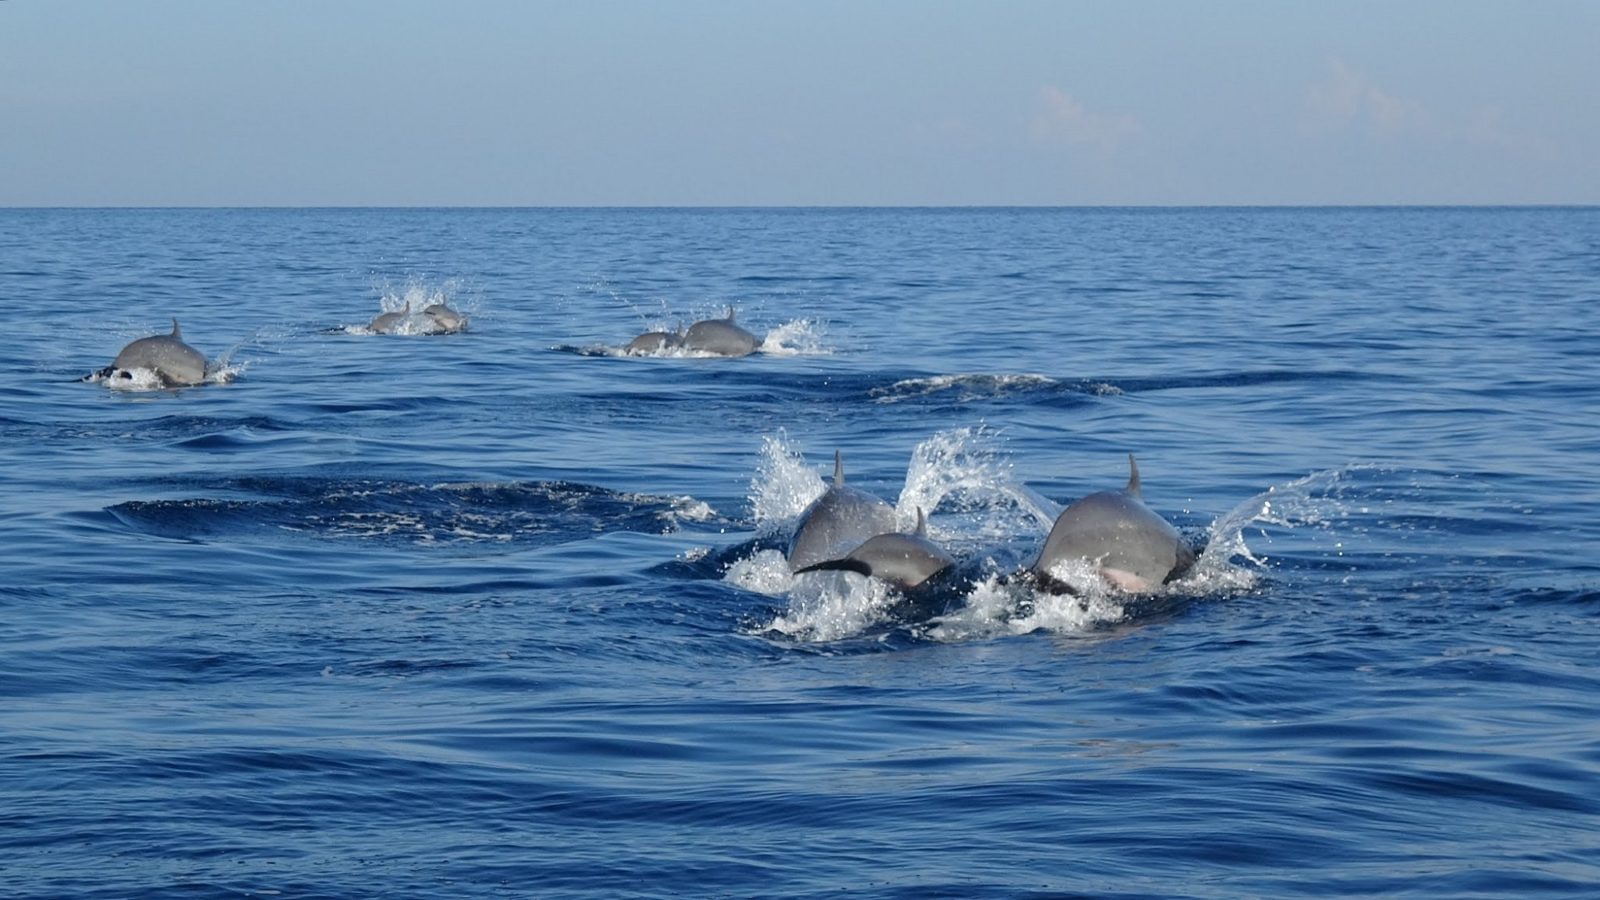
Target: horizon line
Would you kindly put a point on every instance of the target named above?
(794, 206)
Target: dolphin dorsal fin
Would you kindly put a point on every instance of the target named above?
(176, 331)
(838, 469)
(922, 524)
(1133, 478)
(730, 315)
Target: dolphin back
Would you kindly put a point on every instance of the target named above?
(444, 319)
(1117, 532)
(906, 560)
(836, 523)
(720, 336)
(654, 342)
(175, 362)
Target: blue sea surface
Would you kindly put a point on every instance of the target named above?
(504, 613)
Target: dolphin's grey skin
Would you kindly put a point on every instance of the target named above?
(390, 322)
(906, 560)
(435, 318)
(1135, 549)
(654, 342)
(175, 363)
(443, 319)
(837, 522)
(720, 336)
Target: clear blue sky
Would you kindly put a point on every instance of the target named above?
(821, 102)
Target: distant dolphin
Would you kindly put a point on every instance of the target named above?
(654, 342)
(837, 522)
(175, 363)
(443, 319)
(1134, 548)
(435, 318)
(390, 322)
(906, 560)
(720, 336)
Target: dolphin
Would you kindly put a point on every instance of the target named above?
(1134, 548)
(175, 363)
(837, 522)
(443, 319)
(720, 336)
(390, 322)
(655, 342)
(906, 560)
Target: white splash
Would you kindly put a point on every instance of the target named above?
(967, 477)
(783, 485)
(800, 337)
(968, 467)
(997, 607)
(139, 379)
(831, 606)
(411, 299)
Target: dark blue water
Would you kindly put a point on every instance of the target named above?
(501, 614)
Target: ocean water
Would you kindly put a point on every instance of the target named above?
(504, 613)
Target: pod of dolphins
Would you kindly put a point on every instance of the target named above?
(718, 337)
(435, 318)
(1131, 547)
(846, 529)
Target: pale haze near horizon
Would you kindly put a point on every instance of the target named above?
(399, 103)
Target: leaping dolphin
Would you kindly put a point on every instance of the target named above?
(837, 522)
(435, 318)
(720, 336)
(443, 319)
(1133, 547)
(175, 363)
(906, 560)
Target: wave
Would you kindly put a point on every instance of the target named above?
(976, 387)
(967, 388)
(543, 512)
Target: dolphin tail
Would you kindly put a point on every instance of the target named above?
(922, 524)
(176, 331)
(838, 469)
(1133, 478)
(842, 565)
(730, 315)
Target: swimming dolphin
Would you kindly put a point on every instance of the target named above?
(837, 522)
(1134, 548)
(906, 560)
(390, 322)
(720, 336)
(443, 319)
(175, 363)
(654, 342)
